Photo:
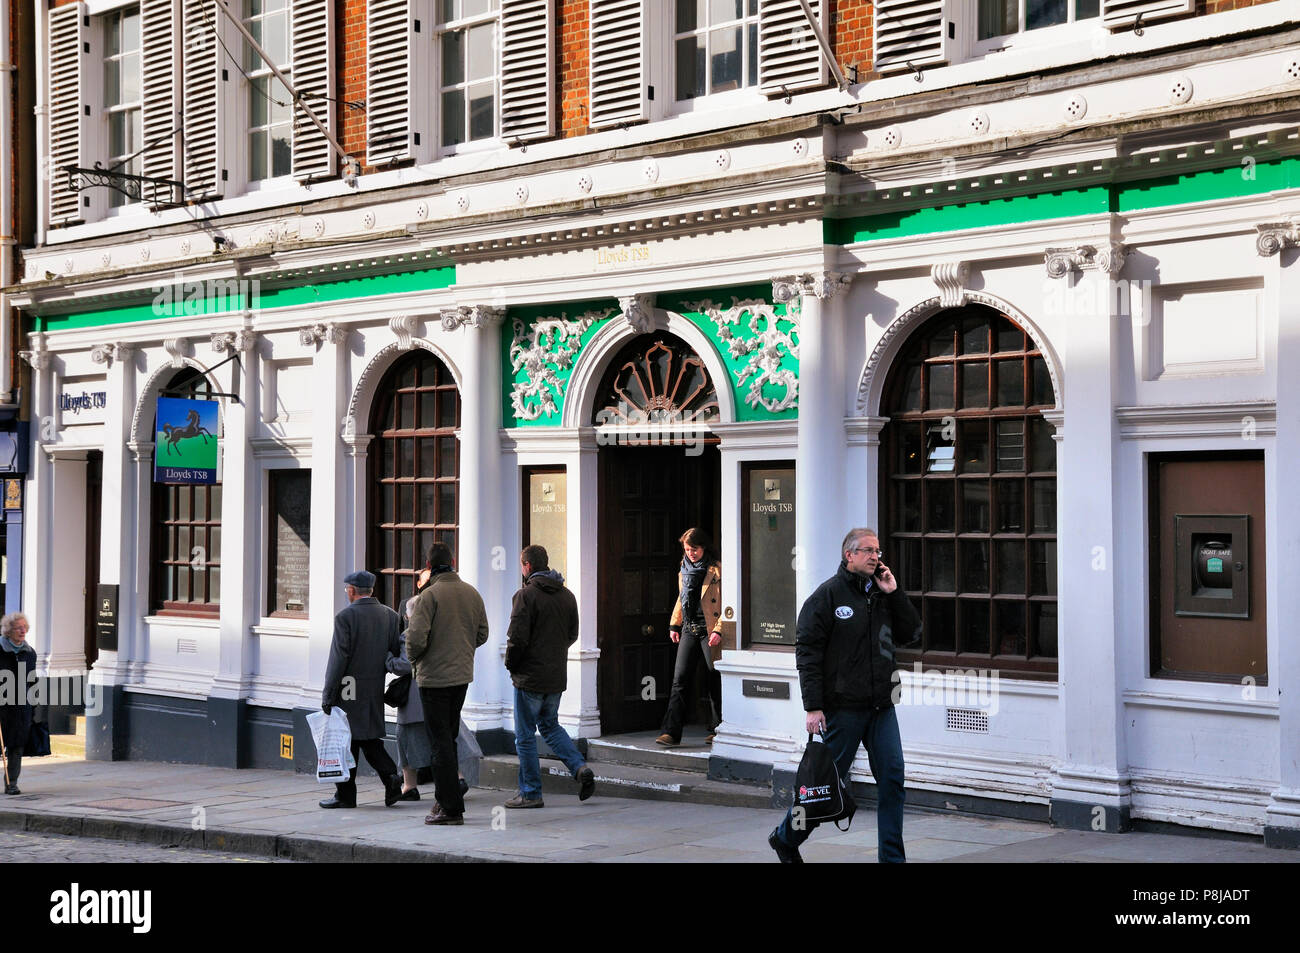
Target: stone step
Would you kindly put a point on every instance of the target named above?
(692, 759)
(79, 725)
(72, 746)
(501, 772)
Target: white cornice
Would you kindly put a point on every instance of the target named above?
(1258, 418)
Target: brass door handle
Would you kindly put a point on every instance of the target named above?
(647, 630)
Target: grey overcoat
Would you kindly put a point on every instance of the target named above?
(365, 633)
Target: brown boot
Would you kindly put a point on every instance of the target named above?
(667, 741)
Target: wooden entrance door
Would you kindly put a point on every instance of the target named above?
(649, 497)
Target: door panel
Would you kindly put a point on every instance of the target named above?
(649, 497)
(1187, 640)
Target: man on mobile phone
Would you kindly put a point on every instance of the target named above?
(844, 650)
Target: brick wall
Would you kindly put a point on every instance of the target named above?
(574, 67)
(852, 36)
(350, 64)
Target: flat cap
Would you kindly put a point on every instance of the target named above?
(360, 579)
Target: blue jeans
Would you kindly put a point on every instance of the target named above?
(534, 711)
(878, 731)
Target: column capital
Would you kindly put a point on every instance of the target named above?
(234, 341)
(110, 352)
(322, 333)
(1272, 237)
(38, 357)
(821, 285)
(471, 316)
(1108, 258)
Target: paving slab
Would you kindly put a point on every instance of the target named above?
(274, 813)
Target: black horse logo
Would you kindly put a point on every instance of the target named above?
(191, 429)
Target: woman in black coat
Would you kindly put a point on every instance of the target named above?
(17, 675)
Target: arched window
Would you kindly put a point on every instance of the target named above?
(185, 576)
(414, 472)
(968, 492)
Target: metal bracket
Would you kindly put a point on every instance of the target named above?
(208, 370)
(132, 186)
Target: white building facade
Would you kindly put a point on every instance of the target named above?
(1030, 314)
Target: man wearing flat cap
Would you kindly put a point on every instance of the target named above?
(365, 634)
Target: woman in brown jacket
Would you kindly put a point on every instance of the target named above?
(696, 627)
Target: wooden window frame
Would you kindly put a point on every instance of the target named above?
(901, 534)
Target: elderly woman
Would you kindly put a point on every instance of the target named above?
(18, 669)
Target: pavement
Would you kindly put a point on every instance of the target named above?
(274, 814)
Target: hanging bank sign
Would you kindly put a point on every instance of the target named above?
(185, 442)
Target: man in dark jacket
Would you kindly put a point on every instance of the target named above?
(543, 624)
(365, 633)
(844, 649)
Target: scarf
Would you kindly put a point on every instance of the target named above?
(12, 647)
(692, 586)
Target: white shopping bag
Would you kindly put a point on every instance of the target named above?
(333, 739)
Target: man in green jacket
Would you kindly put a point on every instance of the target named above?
(447, 624)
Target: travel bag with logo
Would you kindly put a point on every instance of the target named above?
(819, 790)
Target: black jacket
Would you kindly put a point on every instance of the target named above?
(543, 624)
(16, 717)
(844, 646)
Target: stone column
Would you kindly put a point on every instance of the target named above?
(485, 561)
(118, 516)
(329, 555)
(1282, 819)
(241, 543)
(39, 507)
(820, 506)
(1090, 782)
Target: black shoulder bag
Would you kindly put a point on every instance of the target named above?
(819, 790)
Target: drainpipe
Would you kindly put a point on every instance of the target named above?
(7, 200)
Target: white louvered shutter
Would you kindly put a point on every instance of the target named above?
(160, 31)
(68, 64)
(789, 56)
(1122, 14)
(201, 69)
(527, 58)
(618, 62)
(911, 33)
(311, 36)
(399, 49)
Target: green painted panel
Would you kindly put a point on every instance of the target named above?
(541, 345)
(220, 296)
(950, 218)
(1246, 178)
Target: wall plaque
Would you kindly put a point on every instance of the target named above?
(754, 688)
(290, 535)
(546, 520)
(106, 617)
(770, 609)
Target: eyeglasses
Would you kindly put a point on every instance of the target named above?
(869, 550)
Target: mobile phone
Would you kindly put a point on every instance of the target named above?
(880, 571)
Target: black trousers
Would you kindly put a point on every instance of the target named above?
(379, 760)
(14, 759)
(442, 717)
(692, 648)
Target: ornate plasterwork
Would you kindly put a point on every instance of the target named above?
(1274, 236)
(1108, 259)
(317, 333)
(38, 357)
(541, 350)
(471, 316)
(639, 310)
(790, 289)
(406, 327)
(235, 341)
(903, 325)
(178, 349)
(110, 352)
(951, 278)
(765, 350)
